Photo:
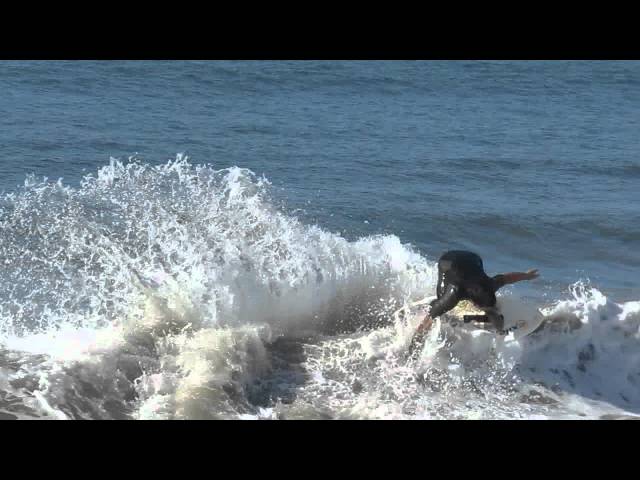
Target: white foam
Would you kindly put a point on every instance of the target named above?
(157, 292)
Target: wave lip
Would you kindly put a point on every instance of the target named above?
(159, 260)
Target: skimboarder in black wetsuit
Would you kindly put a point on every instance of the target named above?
(461, 276)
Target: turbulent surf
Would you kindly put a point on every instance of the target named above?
(180, 291)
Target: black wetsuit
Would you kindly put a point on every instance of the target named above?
(461, 276)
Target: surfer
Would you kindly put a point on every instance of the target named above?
(461, 276)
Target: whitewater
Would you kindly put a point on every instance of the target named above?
(178, 291)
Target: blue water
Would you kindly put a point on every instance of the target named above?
(152, 287)
(531, 164)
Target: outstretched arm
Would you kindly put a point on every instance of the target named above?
(514, 277)
(439, 306)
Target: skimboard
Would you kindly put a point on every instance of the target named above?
(508, 320)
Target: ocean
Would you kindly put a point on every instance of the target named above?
(229, 240)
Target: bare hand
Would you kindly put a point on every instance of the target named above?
(418, 336)
(531, 274)
(425, 325)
